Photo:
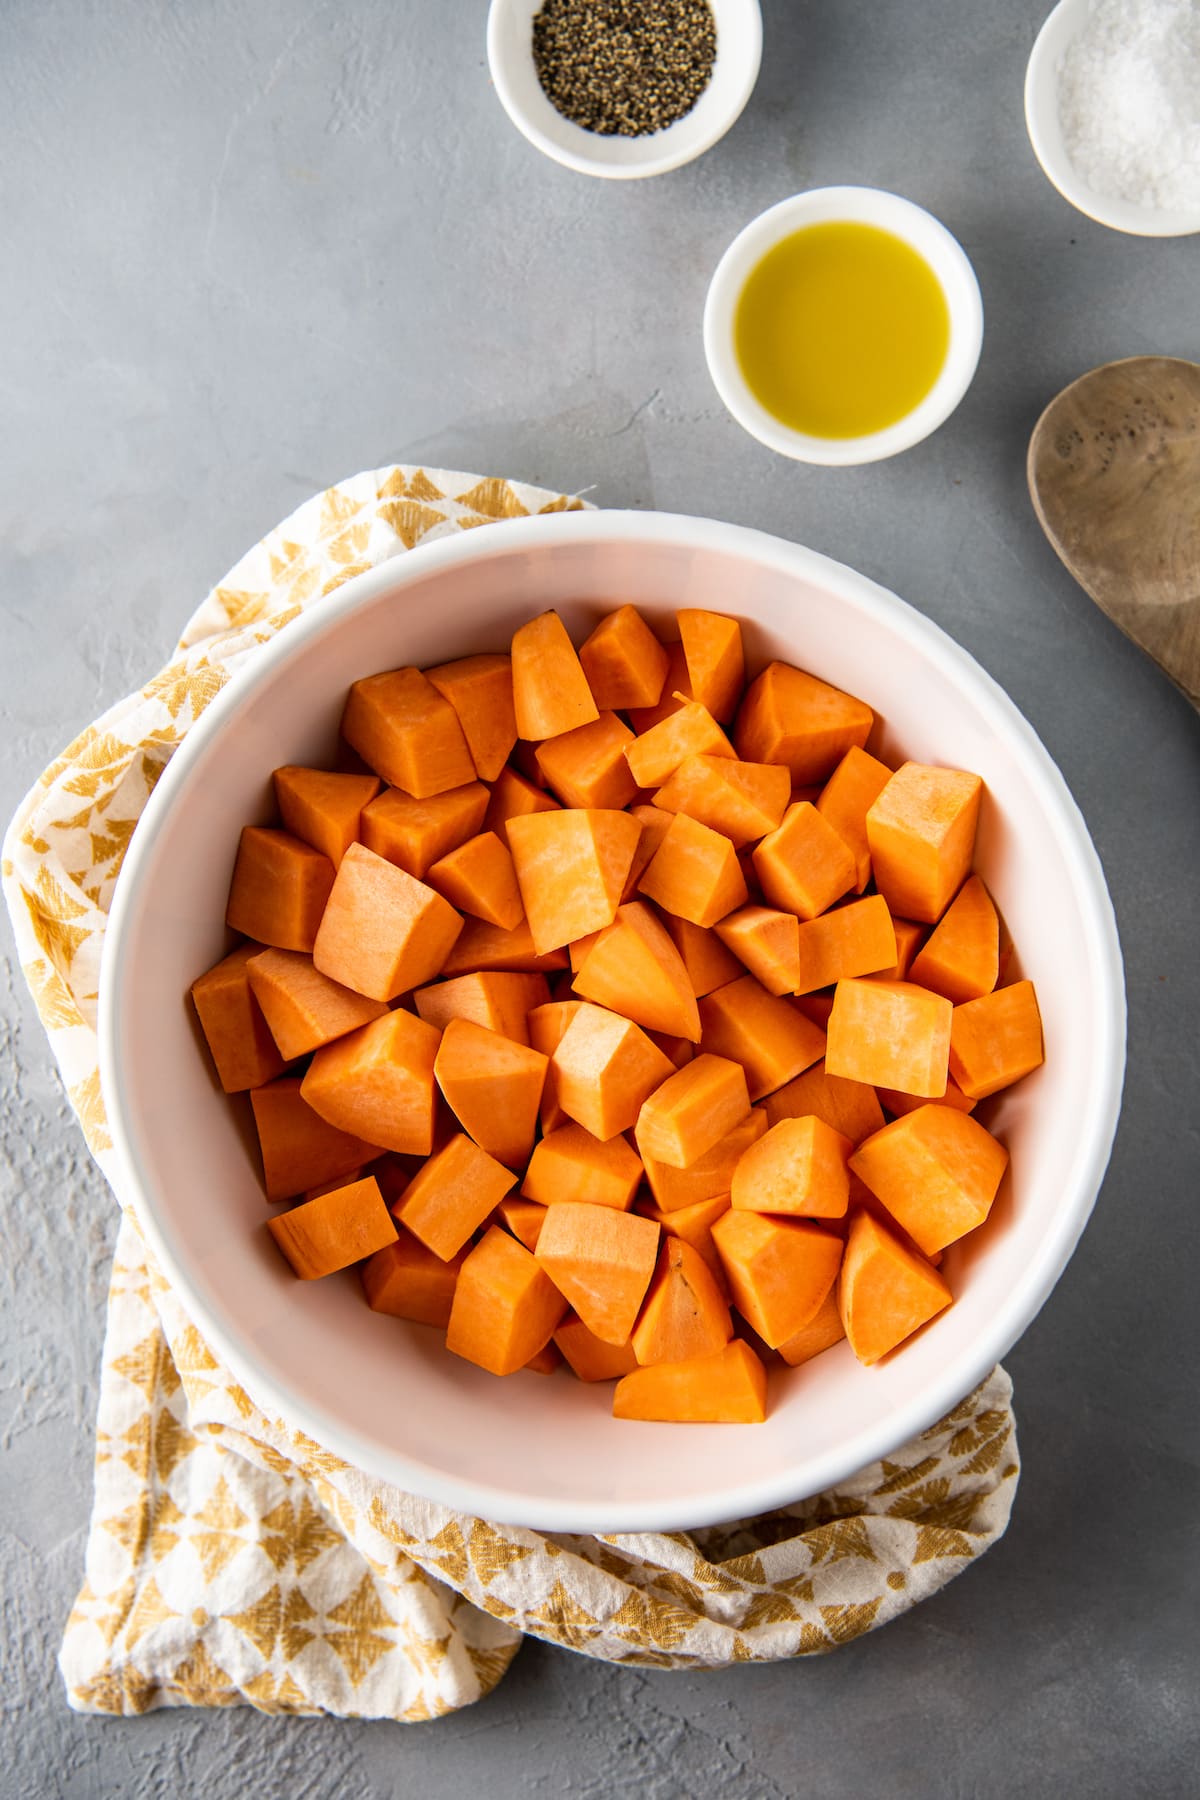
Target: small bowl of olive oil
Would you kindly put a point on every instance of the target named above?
(843, 325)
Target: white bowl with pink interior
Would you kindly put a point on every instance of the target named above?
(386, 1395)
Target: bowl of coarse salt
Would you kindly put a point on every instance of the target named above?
(1112, 105)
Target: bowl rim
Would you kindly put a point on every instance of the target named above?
(926, 235)
(1045, 136)
(671, 148)
(1096, 1130)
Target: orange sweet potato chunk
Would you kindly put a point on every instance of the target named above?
(769, 1036)
(602, 1260)
(896, 1103)
(394, 1171)
(408, 732)
(797, 1169)
(378, 1083)
(524, 761)
(325, 1187)
(790, 717)
(995, 1040)
(299, 1148)
(244, 1053)
(695, 873)
(483, 947)
(604, 1069)
(524, 1218)
(711, 1175)
(322, 808)
(856, 939)
(382, 932)
(624, 662)
(589, 1357)
(690, 731)
(823, 1330)
(728, 1388)
(480, 689)
(741, 800)
(633, 968)
(414, 834)
(712, 650)
(804, 866)
(587, 767)
(505, 1306)
(908, 936)
(767, 943)
(571, 868)
(886, 1291)
(546, 1025)
(851, 1108)
(677, 1050)
(550, 690)
(304, 1008)
(452, 1194)
(478, 878)
(708, 963)
(845, 800)
(571, 1164)
(279, 889)
(675, 693)
(546, 1360)
(922, 836)
(338, 1228)
(514, 795)
(407, 1281)
(654, 826)
(779, 1270)
(500, 999)
(493, 1086)
(578, 948)
(684, 1313)
(961, 958)
(937, 1172)
(890, 1034)
(692, 1111)
(694, 1225)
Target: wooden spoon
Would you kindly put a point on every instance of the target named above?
(1114, 473)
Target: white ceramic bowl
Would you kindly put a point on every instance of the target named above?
(386, 1395)
(735, 71)
(1046, 136)
(868, 206)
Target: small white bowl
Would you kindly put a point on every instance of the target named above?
(1045, 134)
(868, 206)
(735, 71)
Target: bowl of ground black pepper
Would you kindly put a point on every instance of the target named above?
(624, 88)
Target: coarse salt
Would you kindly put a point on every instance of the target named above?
(1129, 102)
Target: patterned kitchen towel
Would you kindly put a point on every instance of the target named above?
(232, 1560)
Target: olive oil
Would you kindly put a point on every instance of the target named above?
(841, 329)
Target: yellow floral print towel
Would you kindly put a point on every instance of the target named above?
(231, 1560)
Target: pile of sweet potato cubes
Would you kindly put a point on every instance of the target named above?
(604, 1008)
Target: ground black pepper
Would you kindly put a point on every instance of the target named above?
(624, 68)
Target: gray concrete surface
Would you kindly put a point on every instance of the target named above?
(249, 247)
